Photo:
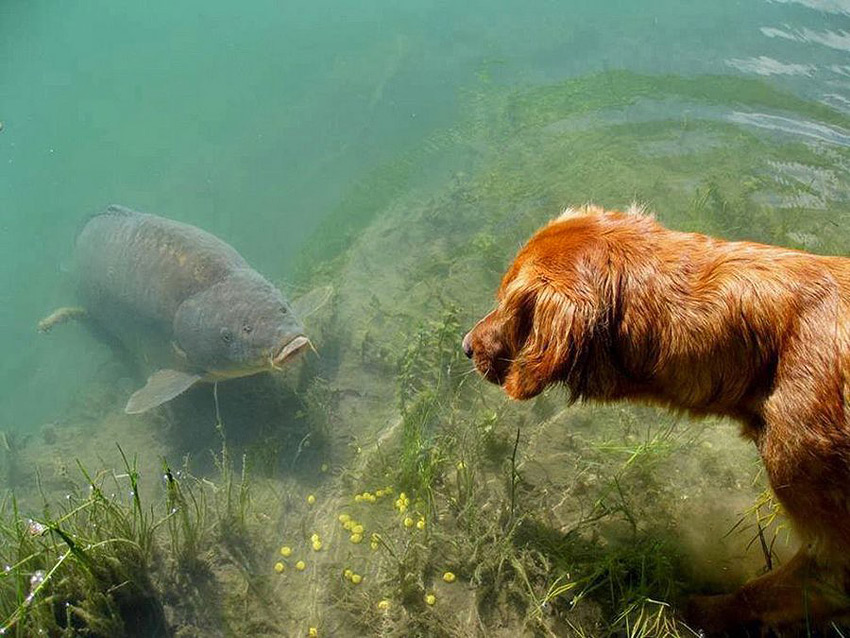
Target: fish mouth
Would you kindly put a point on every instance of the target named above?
(288, 350)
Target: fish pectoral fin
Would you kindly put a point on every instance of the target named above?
(310, 302)
(61, 315)
(163, 385)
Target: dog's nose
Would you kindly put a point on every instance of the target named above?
(467, 345)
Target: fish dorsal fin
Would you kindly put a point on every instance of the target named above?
(310, 302)
(163, 385)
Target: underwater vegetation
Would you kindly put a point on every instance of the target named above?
(109, 560)
(406, 497)
(83, 569)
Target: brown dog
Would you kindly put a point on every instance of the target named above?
(615, 306)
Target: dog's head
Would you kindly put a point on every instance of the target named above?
(557, 304)
(547, 311)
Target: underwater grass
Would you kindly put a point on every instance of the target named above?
(87, 569)
(489, 534)
(104, 561)
(429, 376)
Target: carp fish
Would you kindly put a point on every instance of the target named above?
(182, 299)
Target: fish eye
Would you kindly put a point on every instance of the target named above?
(226, 335)
(284, 310)
(247, 329)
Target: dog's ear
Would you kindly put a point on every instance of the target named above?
(555, 343)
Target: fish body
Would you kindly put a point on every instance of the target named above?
(184, 299)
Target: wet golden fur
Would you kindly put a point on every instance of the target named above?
(616, 306)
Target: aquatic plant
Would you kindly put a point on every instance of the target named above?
(430, 372)
(86, 569)
(649, 618)
(765, 518)
(106, 562)
(187, 519)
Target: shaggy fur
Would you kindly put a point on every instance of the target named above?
(615, 306)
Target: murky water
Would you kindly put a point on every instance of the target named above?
(400, 153)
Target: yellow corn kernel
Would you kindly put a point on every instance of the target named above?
(286, 550)
(449, 577)
(430, 599)
(300, 566)
(279, 567)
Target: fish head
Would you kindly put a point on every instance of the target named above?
(237, 327)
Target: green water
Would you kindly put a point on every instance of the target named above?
(400, 152)
(257, 122)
